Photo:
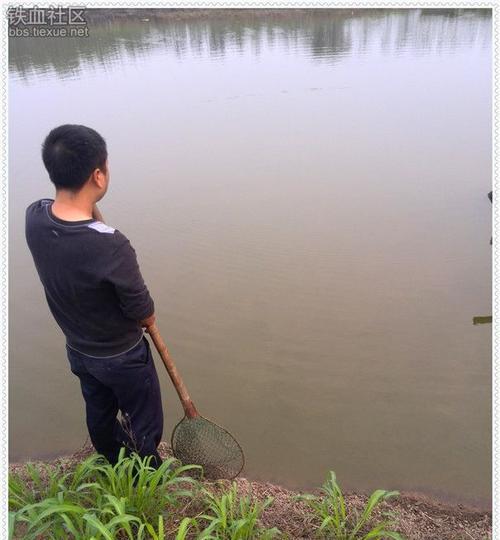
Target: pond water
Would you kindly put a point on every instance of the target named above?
(307, 196)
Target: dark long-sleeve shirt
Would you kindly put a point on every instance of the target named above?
(92, 281)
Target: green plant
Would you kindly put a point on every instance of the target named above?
(338, 524)
(184, 528)
(37, 482)
(230, 517)
(97, 500)
(147, 490)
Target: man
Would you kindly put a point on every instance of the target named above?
(97, 296)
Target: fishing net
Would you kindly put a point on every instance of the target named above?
(201, 442)
(196, 440)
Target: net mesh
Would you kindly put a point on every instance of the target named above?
(201, 442)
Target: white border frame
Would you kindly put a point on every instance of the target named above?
(4, 279)
(495, 336)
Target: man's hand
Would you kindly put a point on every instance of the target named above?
(149, 321)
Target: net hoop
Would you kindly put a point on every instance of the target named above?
(236, 443)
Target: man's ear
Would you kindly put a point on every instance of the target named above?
(99, 178)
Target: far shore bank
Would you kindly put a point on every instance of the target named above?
(145, 14)
(418, 517)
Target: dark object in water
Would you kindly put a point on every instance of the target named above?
(487, 319)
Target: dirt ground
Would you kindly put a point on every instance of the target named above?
(418, 517)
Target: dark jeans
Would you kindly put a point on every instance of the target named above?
(129, 383)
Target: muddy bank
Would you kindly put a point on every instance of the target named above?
(179, 14)
(96, 15)
(418, 517)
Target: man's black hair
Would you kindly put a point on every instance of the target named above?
(71, 153)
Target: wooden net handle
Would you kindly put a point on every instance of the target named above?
(177, 381)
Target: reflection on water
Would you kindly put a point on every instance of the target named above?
(322, 35)
(306, 194)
